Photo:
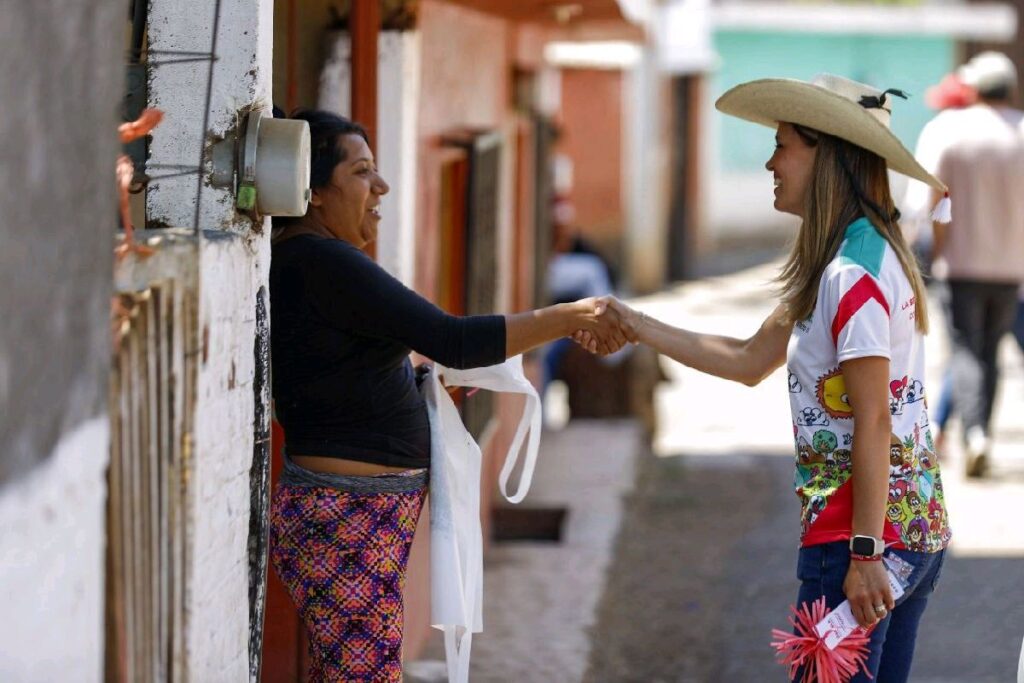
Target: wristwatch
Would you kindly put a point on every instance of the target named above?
(867, 546)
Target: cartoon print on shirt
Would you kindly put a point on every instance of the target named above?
(794, 384)
(832, 396)
(924, 485)
(914, 392)
(812, 417)
(894, 513)
(926, 456)
(898, 490)
(915, 503)
(825, 442)
(897, 389)
(824, 438)
(815, 507)
(805, 454)
(822, 449)
(895, 454)
(937, 515)
(917, 532)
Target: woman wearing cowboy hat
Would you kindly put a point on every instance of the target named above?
(850, 328)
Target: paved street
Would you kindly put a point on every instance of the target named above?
(705, 566)
(703, 563)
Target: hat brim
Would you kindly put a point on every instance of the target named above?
(770, 101)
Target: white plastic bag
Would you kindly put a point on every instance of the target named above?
(456, 543)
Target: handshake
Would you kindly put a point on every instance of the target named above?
(607, 325)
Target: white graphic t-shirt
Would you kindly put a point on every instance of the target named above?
(865, 307)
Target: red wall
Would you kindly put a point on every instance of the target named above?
(592, 119)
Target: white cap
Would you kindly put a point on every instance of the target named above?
(987, 71)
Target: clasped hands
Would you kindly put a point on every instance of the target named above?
(608, 325)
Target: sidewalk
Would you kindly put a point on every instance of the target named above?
(540, 598)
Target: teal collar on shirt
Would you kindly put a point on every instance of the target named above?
(863, 246)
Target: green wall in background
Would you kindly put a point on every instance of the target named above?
(911, 63)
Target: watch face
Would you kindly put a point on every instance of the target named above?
(862, 545)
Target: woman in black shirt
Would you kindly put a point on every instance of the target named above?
(357, 440)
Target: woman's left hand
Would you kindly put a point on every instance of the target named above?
(867, 588)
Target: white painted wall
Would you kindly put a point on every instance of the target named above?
(52, 526)
(398, 92)
(234, 261)
(242, 78)
(218, 622)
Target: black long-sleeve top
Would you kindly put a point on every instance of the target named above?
(342, 330)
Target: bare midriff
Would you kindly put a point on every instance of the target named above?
(351, 468)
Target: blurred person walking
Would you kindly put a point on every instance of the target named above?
(982, 163)
(850, 327)
(950, 93)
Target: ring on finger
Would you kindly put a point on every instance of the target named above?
(880, 609)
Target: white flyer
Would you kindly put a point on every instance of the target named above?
(840, 622)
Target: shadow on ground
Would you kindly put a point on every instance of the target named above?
(705, 566)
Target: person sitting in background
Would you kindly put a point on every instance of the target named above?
(575, 271)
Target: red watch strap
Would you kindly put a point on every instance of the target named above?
(865, 558)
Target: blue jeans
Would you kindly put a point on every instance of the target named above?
(822, 570)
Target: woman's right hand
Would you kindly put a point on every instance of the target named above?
(605, 327)
(632, 320)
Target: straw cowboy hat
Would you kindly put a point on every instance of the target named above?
(846, 109)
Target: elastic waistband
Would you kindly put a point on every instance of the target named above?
(402, 482)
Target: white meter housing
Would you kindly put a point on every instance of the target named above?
(267, 165)
(282, 167)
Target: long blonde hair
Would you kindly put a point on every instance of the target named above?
(847, 182)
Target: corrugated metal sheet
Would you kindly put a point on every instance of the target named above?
(152, 392)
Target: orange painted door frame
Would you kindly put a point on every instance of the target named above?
(364, 27)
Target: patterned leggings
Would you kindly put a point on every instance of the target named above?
(342, 555)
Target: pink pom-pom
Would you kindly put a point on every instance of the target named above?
(943, 212)
(805, 648)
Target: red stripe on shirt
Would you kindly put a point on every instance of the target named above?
(835, 523)
(863, 291)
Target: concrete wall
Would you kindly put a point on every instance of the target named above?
(217, 637)
(57, 221)
(592, 103)
(647, 159)
(453, 97)
(398, 90)
(234, 261)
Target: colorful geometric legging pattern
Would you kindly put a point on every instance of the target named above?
(342, 557)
